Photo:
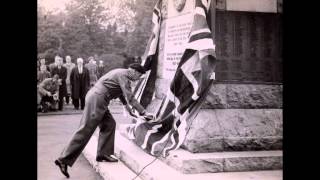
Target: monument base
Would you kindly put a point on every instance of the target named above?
(235, 130)
(133, 159)
(234, 117)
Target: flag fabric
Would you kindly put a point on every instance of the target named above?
(188, 89)
(146, 86)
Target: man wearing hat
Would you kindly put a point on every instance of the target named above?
(114, 84)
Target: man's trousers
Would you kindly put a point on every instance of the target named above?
(76, 103)
(95, 113)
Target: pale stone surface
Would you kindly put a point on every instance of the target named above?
(217, 97)
(190, 163)
(161, 49)
(162, 87)
(253, 163)
(244, 96)
(202, 166)
(235, 129)
(204, 144)
(254, 96)
(234, 96)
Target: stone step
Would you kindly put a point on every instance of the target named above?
(136, 159)
(108, 171)
(190, 163)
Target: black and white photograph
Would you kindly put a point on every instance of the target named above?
(159, 89)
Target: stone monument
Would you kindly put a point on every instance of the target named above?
(243, 111)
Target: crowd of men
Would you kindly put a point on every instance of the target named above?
(62, 83)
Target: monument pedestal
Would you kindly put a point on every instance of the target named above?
(182, 164)
(238, 117)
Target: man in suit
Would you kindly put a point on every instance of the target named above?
(100, 69)
(54, 64)
(114, 84)
(69, 65)
(62, 72)
(43, 63)
(80, 84)
(93, 71)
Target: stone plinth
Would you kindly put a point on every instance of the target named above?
(191, 163)
(235, 130)
(244, 96)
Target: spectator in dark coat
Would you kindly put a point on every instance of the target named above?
(62, 72)
(80, 84)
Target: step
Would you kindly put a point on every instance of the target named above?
(190, 163)
(230, 161)
(136, 159)
(108, 171)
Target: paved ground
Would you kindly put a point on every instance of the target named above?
(53, 134)
(69, 109)
(54, 131)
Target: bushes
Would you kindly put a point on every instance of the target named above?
(112, 61)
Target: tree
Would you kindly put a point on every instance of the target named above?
(138, 38)
(49, 39)
(84, 33)
(89, 27)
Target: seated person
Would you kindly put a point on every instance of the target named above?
(48, 93)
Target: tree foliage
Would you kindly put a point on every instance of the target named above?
(109, 30)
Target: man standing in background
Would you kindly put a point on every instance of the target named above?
(93, 71)
(100, 69)
(43, 63)
(80, 84)
(69, 65)
(62, 72)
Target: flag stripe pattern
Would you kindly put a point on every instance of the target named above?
(187, 90)
(146, 86)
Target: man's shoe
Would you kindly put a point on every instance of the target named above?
(63, 167)
(106, 158)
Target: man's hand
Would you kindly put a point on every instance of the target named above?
(148, 116)
(55, 97)
(49, 93)
(129, 110)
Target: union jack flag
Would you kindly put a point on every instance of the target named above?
(188, 89)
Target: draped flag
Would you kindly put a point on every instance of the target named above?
(145, 87)
(188, 89)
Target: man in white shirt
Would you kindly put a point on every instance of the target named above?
(80, 84)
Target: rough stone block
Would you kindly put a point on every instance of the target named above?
(254, 96)
(217, 97)
(204, 145)
(202, 166)
(235, 130)
(252, 163)
(244, 96)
